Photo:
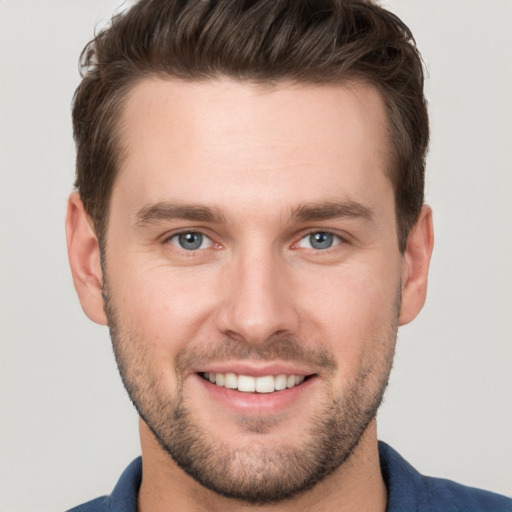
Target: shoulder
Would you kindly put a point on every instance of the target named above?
(97, 505)
(408, 490)
(124, 495)
(454, 496)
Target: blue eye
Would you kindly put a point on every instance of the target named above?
(320, 240)
(190, 241)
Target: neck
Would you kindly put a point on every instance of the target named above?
(356, 485)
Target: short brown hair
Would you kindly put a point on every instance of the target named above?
(264, 41)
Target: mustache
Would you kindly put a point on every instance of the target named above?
(278, 347)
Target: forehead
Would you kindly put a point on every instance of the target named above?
(219, 138)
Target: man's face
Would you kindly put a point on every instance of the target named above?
(252, 241)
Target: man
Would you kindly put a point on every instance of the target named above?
(249, 222)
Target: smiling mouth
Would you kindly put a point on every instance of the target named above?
(248, 384)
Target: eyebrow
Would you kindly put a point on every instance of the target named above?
(163, 211)
(332, 210)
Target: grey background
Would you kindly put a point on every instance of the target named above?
(67, 428)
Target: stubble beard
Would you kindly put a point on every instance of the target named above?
(256, 474)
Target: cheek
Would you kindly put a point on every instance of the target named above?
(166, 307)
(361, 295)
(356, 314)
(156, 317)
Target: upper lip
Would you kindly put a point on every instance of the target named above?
(255, 369)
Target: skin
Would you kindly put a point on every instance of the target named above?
(256, 157)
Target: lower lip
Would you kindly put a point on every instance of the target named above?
(257, 403)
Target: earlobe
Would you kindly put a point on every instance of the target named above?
(415, 265)
(84, 259)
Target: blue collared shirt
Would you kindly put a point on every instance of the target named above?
(408, 491)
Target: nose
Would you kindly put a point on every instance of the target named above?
(257, 298)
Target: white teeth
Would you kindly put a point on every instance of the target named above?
(247, 384)
(230, 381)
(280, 382)
(265, 384)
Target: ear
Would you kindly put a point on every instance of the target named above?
(84, 259)
(415, 265)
